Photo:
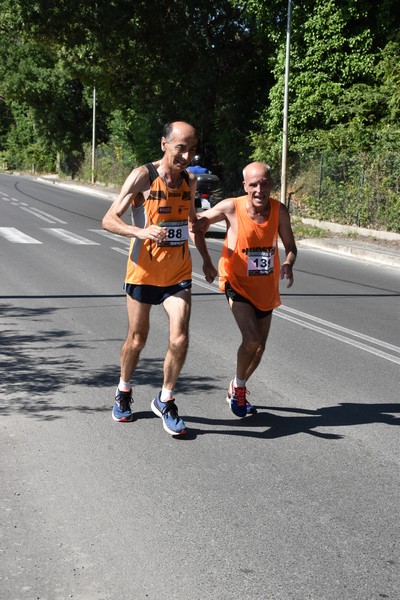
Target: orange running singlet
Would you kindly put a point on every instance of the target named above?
(168, 263)
(252, 267)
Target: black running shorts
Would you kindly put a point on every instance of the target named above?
(153, 294)
(231, 294)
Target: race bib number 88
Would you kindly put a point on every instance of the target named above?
(260, 262)
(177, 233)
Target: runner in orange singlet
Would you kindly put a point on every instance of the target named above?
(250, 270)
(159, 268)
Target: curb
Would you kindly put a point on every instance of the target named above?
(354, 250)
(76, 187)
(349, 229)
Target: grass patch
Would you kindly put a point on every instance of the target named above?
(302, 231)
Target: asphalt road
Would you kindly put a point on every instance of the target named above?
(298, 502)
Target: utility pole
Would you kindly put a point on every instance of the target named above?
(285, 108)
(93, 131)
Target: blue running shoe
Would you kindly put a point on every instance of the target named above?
(168, 411)
(236, 398)
(251, 410)
(122, 407)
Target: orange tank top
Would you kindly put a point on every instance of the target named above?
(252, 267)
(168, 263)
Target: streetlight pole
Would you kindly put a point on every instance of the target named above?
(93, 131)
(285, 108)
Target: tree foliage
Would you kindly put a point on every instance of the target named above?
(159, 61)
(219, 65)
(344, 107)
(333, 57)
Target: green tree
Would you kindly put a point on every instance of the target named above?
(38, 87)
(200, 61)
(335, 47)
(343, 109)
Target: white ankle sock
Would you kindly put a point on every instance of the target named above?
(239, 382)
(166, 394)
(124, 386)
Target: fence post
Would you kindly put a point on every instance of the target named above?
(320, 177)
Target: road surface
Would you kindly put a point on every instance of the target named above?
(298, 502)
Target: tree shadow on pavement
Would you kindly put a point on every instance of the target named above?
(39, 360)
(36, 362)
(149, 372)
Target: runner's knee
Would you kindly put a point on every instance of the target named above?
(179, 343)
(253, 343)
(136, 341)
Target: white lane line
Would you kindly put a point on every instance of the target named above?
(17, 237)
(43, 215)
(323, 327)
(342, 338)
(200, 281)
(70, 238)
(117, 238)
(32, 212)
(350, 332)
(121, 250)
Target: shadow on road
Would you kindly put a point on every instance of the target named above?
(302, 420)
(37, 364)
(39, 361)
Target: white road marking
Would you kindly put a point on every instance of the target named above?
(117, 238)
(70, 238)
(329, 329)
(121, 250)
(332, 330)
(350, 332)
(17, 237)
(32, 212)
(43, 215)
(200, 280)
(342, 338)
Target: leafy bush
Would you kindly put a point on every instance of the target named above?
(358, 189)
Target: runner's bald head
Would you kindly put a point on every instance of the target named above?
(258, 169)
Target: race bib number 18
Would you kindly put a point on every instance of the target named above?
(177, 233)
(260, 262)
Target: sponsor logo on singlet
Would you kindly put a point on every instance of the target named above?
(269, 249)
